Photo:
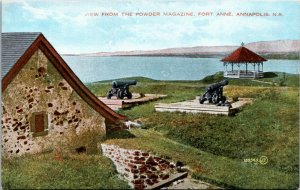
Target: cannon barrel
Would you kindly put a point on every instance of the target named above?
(217, 85)
(214, 94)
(121, 83)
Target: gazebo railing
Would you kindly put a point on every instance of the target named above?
(243, 74)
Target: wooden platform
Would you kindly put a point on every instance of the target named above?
(137, 99)
(165, 182)
(193, 106)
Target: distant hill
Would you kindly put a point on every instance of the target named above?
(278, 46)
(269, 49)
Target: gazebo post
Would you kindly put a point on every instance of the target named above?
(225, 68)
(239, 70)
(246, 68)
(254, 69)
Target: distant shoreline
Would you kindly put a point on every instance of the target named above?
(276, 49)
(287, 56)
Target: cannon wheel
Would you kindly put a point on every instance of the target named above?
(215, 99)
(120, 94)
(108, 96)
(129, 95)
(201, 100)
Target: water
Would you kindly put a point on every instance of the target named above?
(91, 69)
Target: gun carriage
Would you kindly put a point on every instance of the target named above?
(120, 89)
(214, 94)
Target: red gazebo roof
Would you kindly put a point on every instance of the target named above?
(243, 55)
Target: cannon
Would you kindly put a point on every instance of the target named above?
(214, 94)
(121, 89)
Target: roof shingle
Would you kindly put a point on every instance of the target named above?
(243, 55)
(13, 46)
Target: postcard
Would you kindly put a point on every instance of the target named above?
(161, 94)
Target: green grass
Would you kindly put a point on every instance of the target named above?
(283, 79)
(269, 127)
(177, 88)
(214, 147)
(43, 171)
(258, 130)
(218, 170)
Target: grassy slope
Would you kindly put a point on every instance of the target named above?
(259, 130)
(212, 168)
(213, 146)
(74, 172)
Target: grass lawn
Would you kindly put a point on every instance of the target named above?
(43, 171)
(269, 127)
(218, 170)
(214, 147)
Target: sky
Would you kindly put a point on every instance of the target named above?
(72, 26)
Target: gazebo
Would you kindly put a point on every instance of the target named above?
(236, 64)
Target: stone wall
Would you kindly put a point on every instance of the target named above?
(39, 87)
(141, 169)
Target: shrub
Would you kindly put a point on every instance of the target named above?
(270, 75)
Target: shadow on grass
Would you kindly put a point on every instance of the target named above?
(122, 134)
(270, 75)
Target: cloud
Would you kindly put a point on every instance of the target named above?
(10, 1)
(37, 13)
(66, 20)
(239, 27)
(61, 14)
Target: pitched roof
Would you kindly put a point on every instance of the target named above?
(243, 55)
(17, 49)
(13, 46)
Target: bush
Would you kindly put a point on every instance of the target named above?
(270, 75)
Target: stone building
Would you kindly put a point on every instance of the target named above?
(45, 106)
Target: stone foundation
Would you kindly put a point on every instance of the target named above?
(142, 170)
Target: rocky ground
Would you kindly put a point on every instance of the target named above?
(143, 170)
